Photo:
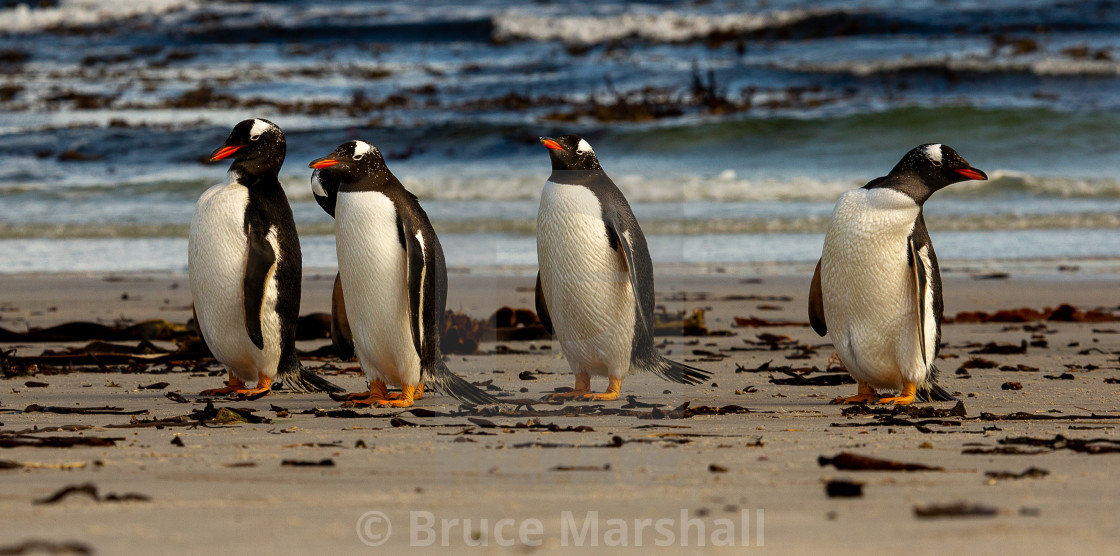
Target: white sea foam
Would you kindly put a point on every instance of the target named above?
(77, 13)
(1048, 65)
(667, 26)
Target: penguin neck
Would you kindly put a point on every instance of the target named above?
(575, 176)
(256, 169)
(380, 180)
(911, 184)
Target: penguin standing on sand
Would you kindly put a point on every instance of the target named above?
(391, 265)
(245, 267)
(594, 289)
(876, 291)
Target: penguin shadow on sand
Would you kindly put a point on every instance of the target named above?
(245, 268)
(390, 295)
(876, 291)
(594, 290)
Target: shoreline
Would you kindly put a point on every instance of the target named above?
(533, 463)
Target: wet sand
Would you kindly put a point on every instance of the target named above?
(226, 487)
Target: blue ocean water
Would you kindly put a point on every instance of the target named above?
(731, 126)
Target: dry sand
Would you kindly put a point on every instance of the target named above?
(722, 470)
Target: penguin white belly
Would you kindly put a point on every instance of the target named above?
(216, 254)
(374, 273)
(868, 287)
(585, 283)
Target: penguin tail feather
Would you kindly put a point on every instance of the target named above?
(446, 382)
(301, 379)
(676, 372)
(931, 391)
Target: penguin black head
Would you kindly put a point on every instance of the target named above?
(571, 152)
(256, 146)
(935, 166)
(350, 162)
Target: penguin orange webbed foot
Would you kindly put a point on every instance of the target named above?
(614, 387)
(569, 395)
(252, 393)
(395, 403)
(418, 395)
(264, 386)
(233, 386)
(583, 388)
(377, 392)
(865, 394)
(405, 399)
(906, 397)
(222, 391)
(604, 397)
(857, 399)
(899, 400)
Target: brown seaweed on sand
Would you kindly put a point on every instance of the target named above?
(958, 509)
(854, 462)
(90, 490)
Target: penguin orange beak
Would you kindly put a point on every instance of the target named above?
(551, 143)
(972, 173)
(224, 152)
(324, 162)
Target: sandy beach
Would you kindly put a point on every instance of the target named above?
(739, 464)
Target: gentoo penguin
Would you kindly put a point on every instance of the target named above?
(594, 289)
(877, 284)
(395, 279)
(245, 267)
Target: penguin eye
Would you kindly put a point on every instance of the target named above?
(358, 156)
(254, 137)
(935, 162)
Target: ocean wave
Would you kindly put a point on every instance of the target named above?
(650, 226)
(81, 13)
(723, 187)
(659, 26)
(1057, 66)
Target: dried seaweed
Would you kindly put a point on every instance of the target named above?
(1062, 313)
(90, 490)
(755, 322)
(854, 462)
(9, 440)
(604, 467)
(993, 348)
(842, 488)
(958, 509)
(36, 546)
(1029, 473)
(831, 379)
(1059, 442)
(326, 462)
(104, 410)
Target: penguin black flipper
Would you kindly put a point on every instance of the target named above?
(341, 336)
(639, 269)
(921, 292)
(427, 302)
(260, 264)
(542, 307)
(816, 303)
(418, 286)
(930, 305)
